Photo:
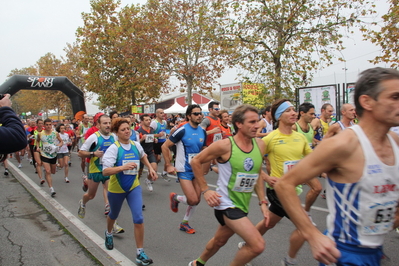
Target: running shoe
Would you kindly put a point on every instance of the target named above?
(69, 164)
(186, 228)
(30, 161)
(149, 185)
(66, 180)
(109, 241)
(165, 177)
(107, 209)
(20, 165)
(42, 181)
(174, 204)
(81, 210)
(143, 207)
(143, 259)
(397, 230)
(116, 229)
(284, 262)
(85, 187)
(52, 192)
(6, 172)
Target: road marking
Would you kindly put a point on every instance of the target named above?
(99, 241)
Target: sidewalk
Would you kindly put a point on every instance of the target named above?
(30, 235)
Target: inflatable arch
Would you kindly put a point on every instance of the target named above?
(63, 84)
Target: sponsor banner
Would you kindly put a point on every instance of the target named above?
(230, 96)
(319, 96)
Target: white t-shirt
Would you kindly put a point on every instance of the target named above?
(110, 155)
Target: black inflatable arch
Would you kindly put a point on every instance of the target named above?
(63, 84)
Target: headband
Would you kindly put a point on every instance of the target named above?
(281, 109)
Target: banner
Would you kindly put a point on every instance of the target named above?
(137, 109)
(319, 96)
(149, 108)
(230, 96)
(350, 93)
(251, 94)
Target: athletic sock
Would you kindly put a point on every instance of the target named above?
(181, 199)
(139, 250)
(189, 212)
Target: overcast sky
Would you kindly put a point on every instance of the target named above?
(31, 28)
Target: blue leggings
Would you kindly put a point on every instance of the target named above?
(134, 200)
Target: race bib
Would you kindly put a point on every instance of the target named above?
(191, 156)
(135, 170)
(217, 136)
(149, 138)
(379, 218)
(287, 165)
(245, 182)
(50, 148)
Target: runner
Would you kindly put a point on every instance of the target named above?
(266, 123)
(362, 168)
(322, 124)
(159, 127)
(63, 153)
(348, 115)
(49, 143)
(147, 139)
(211, 124)
(240, 162)
(80, 133)
(121, 161)
(285, 148)
(189, 140)
(303, 126)
(94, 148)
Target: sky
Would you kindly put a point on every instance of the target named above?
(31, 28)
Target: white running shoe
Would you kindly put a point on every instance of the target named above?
(165, 177)
(149, 185)
(116, 229)
(52, 192)
(241, 244)
(20, 165)
(66, 180)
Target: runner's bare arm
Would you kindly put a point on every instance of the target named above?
(332, 130)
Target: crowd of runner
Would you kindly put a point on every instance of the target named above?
(272, 152)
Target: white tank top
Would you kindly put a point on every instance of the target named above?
(362, 213)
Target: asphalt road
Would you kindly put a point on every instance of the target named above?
(164, 242)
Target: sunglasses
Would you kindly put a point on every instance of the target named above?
(216, 109)
(196, 113)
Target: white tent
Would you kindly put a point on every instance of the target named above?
(175, 109)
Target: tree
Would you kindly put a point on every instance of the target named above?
(191, 35)
(284, 41)
(117, 56)
(387, 37)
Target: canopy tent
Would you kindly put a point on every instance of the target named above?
(175, 109)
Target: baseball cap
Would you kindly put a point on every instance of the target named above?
(97, 116)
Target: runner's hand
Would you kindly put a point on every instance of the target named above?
(152, 174)
(324, 249)
(171, 170)
(212, 198)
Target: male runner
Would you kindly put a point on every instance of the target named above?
(266, 123)
(362, 167)
(147, 139)
(240, 163)
(322, 124)
(348, 115)
(80, 133)
(159, 126)
(303, 126)
(189, 140)
(211, 124)
(94, 148)
(285, 147)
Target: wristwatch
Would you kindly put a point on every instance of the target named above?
(92, 153)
